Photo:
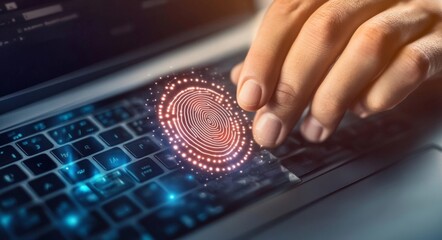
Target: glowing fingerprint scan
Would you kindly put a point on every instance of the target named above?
(204, 125)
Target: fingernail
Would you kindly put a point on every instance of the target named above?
(267, 129)
(360, 111)
(313, 131)
(250, 94)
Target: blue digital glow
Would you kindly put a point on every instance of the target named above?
(84, 194)
(146, 237)
(84, 188)
(69, 155)
(190, 177)
(71, 220)
(5, 220)
(188, 221)
(171, 196)
(39, 126)
(92, 198)
(74, 171)
(88, 109)
(16, 136)
(66, 116)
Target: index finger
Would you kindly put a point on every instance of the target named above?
(263, 63)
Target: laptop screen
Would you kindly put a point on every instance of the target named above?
(45, 39)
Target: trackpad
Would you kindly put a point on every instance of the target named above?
(401, 202)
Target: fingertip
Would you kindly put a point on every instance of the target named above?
(235, 72)
(313, 131)
(359, 110)
(268, 130)
(249, 95)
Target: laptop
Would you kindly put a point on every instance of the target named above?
(79, 158)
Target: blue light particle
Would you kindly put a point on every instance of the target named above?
(5, 220)
(84, 188)
(171, 196)
(71, 220)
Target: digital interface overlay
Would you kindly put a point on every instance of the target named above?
(203, 125)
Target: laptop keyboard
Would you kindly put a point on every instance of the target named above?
(97, 172)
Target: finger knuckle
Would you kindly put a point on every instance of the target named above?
(418, 63)
(326, 107)
(285, 96)
(373, 39)
(325, 21)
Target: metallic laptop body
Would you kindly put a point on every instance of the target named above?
(75, 76)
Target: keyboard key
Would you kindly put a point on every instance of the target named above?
(169, 222)
(11, 175)
(73, 131)
(8, 155)
(182, 215)
(313, 159)
(40, 164)
(141, 147)
(113, 116)
(168, 159)
(121, 209)
(79, 171)
(16, 134)
(139, 106)
(66, 154)
(144, 170)
(26, 221)
(241, 186)
(152, 195)
(13, 198)
(115, 136)
(89, 225)
(202, 206)
(35, 144)
(142, 126)
(85, 196)
(88, 146)
(47, 184)
(301, 164)
(62, 207)
(27, 130)
(112, 158)
(179, 182)
(290, 146)
(111, 184)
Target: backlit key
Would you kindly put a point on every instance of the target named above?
(8, 155)
(112, 158)
(35, 144)
(79, 171)
(11, 175)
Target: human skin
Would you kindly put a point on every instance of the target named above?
(365, 56)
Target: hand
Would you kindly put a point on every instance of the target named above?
(362, 55)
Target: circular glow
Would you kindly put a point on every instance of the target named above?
(204, 125)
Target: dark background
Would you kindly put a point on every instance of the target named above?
(101, 30)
